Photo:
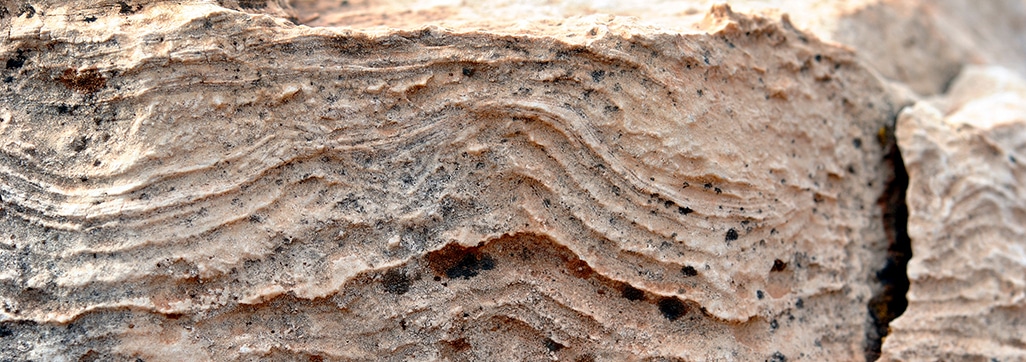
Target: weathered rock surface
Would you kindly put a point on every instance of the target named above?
(920, 43)
(210, 180)
(967, 221)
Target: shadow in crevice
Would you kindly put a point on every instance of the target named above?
(890, 301)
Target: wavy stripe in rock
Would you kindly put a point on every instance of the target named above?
(242, 181)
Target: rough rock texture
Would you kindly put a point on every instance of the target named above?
(967, 221)
(209, 180)
(920, 43)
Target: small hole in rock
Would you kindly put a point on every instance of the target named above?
(672, 308)
(689, 271)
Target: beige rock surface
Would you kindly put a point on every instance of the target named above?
(919, 43)
(210, 181)
(967, 213)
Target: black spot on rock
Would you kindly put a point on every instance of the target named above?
(468, 72)
(455, 261)
(253, 4)
(18, 61)
(5, 331)
(731, 234)
(553, 345)
(470, 266)
(684, 210)
(759, 294)
(396, 282)
(126, 9)
(632, 293)
(27, 10)
(672, 308)
(778, 266)
(689, 271)
(857, 142)
(598, 75)
(777, 357)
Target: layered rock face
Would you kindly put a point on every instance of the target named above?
(314, 181)
(967, 212)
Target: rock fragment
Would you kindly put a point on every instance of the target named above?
(967, 206)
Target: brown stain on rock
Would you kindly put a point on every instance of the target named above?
(83, 81)
(454, 261)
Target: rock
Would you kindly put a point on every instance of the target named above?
(967, 203)
(921, 44)
(213, 181)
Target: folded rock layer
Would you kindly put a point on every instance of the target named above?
(203, 180)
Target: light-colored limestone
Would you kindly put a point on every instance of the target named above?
(209, 180)
(967, 221)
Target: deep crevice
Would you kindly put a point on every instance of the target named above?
(890, 300)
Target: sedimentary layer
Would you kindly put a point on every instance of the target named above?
(967, 205)
(219, 181)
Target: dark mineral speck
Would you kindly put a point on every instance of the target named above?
(672, 308)
(731, 234)
(632, 293)
(689, 271)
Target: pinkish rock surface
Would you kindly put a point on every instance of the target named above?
(967, 221)
(208, 180)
